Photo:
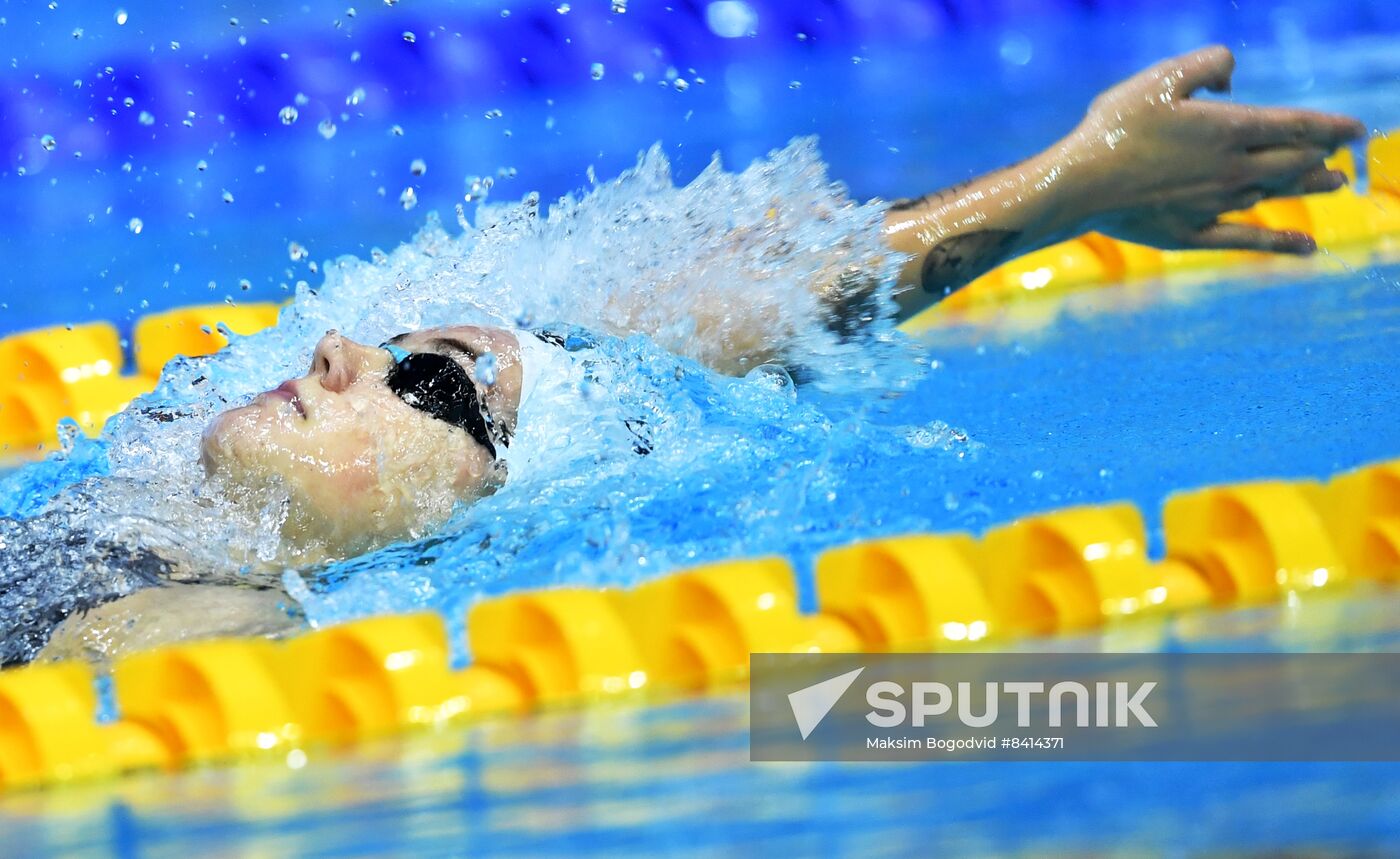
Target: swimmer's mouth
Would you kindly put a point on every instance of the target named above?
(286, 391)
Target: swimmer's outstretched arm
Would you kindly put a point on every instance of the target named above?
(1148, 164)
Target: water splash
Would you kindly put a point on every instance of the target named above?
(726, 271)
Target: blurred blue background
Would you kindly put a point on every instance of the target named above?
(171, 113)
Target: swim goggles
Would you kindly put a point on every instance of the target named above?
(440, 387)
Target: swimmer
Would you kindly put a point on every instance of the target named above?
(380, 442)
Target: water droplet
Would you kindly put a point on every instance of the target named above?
(639, 76)
(409, 37)
(494, 113)
(408, 199)
(300, 99)
(355, 97)
(680, 84)
(129, 101)
(120, 17)
(201, 165)
(48, 142)
(794, 84)
(563, 8)
(174, 45)
(350, 13)
(619, 7)
(233, 22)
(145, 118)
(296, 252)
(288, 115)
(396, 130)
(801, 37)
(135, 225)
(505, 13)
(486, 369)
(391, 2)
(596, 71)
(228, 198)
(326, 128)
(77, 32)
(126, 166)
(418, 167)
(354, 56)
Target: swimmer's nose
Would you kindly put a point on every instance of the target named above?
(339, 361)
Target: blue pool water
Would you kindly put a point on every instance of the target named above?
(1127, 393)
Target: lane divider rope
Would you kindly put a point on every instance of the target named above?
(1064, 571)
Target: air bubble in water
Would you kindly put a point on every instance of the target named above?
(596, 71)
(120, 17)
(135, 225)
(418, 167)
(288, 115)
(408, 199)
(48, 142)
(326, 128)
(486, 367)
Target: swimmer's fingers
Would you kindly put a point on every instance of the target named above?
(1318, 180)
(1173, 79)
(1207, 68)
(1282, 166)
(1248, 237)
(1257, 128)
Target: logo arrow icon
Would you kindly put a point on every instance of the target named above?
(810, 705)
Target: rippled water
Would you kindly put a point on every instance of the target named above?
(673, 279)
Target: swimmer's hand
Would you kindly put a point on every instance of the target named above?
(1156, 166)
(1149, 163)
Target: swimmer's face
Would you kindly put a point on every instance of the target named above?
(359, 465)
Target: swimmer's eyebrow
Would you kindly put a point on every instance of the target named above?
(451, 343)
(455, 344)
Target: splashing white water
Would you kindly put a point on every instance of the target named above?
(728, 270)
